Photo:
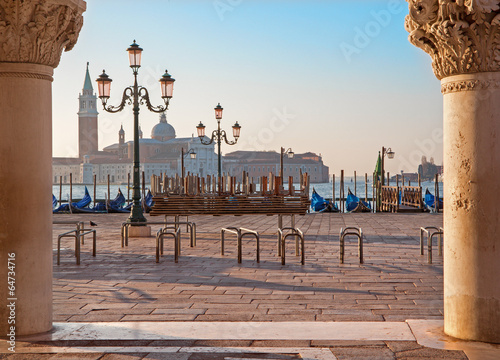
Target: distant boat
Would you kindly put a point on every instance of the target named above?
(54, 202)
(429, 201)
(148, 202)
(319, 204)
(117, 204)
(354, 204)
(82, 204)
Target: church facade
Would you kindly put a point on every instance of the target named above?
(159, 154)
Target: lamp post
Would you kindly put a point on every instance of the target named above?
(193, 156)
(290, 154)
(135, 95)
(218, 135)
(390, 155)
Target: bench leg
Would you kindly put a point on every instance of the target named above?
(126, 234)
(303, 243)
(77, 241)
(94, 244)
(342, 249)
(421, 242)
(157, 249)
(222, 242)
(429, 249)
(296, 244)
(239, 249)
(440, 245)
(123, 235)
(258, 248)
(58, 250)
(193, 226)
(177, 247)
(178, 241)
(360, 249)
(191, 234)
(283, 250)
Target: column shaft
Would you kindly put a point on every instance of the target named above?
(25, 193)
(472, 206)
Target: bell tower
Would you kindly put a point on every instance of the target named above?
(121, 142)
(87, 119)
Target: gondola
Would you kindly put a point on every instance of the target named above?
(116, 205)
(319, 204)
(54, 202)
(86, 209)
(148, 202)
(76, 206)
(354, 204)
(429, 201)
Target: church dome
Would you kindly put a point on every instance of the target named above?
(163, 131)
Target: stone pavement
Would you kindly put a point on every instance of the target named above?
(125, 285)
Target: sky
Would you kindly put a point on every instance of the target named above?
(337, 78)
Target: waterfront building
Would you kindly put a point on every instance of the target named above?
(261, 163)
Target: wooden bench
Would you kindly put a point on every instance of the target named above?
(209, 204)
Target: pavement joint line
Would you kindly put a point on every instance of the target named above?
(305, 353)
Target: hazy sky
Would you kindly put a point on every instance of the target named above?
(332, 77)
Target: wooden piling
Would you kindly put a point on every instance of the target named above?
(366, 187)
(128, 188)
(355, 183)
(436, 193)
(143, 186)
(342, 192)
(95, 179)
(109, 188)
(70, 188)
(60, 190)
(333, 190)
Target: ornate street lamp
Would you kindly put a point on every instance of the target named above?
(135, 95)
(183, 154)
(218, 135)
(290, 154)
(390, 155)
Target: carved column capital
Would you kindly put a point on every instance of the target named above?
(461, 36)
(37, 31)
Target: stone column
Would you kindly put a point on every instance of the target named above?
(463, 39)
(32, 37)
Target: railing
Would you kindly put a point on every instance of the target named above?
(412, 196)
(227, 185)
(390, 198)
